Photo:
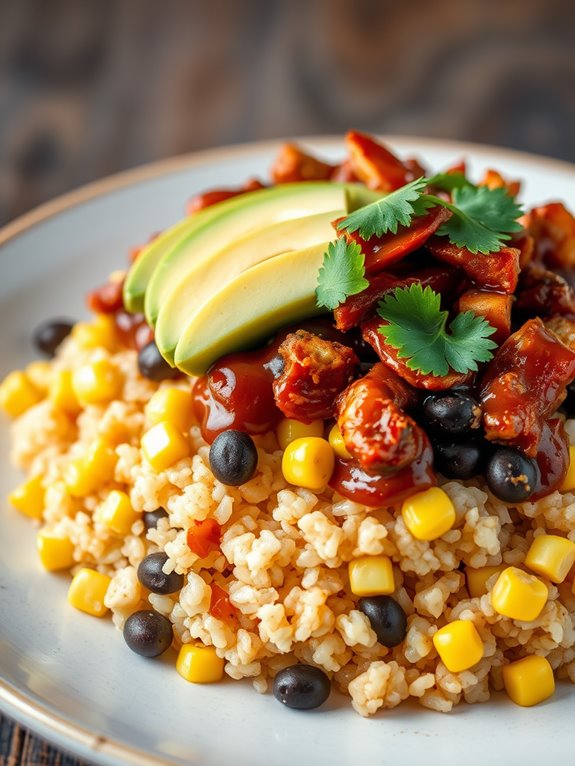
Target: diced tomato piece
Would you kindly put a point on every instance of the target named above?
(389, 356)
(381, 251)
(442, 279)
(524, 383)
(354, 482)
(492, 271)
(553, 229)
(495, 307)
(207, 199)
(221, 607)
(374, 164)
(292, 164)
(204, 537)
(106, 299)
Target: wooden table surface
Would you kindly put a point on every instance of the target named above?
(90, 87)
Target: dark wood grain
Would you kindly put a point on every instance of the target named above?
(90, 87)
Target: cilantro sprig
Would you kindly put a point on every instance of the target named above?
(417, 329)
(341, 275)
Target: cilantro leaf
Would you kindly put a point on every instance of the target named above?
(448, 181)
(418, 330)
(387, 213)
(482, 218)
(342, 274)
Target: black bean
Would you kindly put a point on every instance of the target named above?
(301, 687)
(148, 633)
(387, 618)
(511, 475)
(233, 457)
(452, 412)
(49, 335)
(152, 577)
(569, 404)
(151, 518)
(458, 460)
(153, 366)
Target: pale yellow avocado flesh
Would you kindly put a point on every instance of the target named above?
(233, 219)
(251, 307)
(204, 279)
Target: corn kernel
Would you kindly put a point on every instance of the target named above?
(569, 480)
(55, 551)
(371, 576)
(100, 333)
(116, 512)
(100, 460)
(477, 578)
(308, 462)
(78, 479)
(39, 374)
(289, 429)
(199, 664)
(459, 645)
(97, 382)
(551, 556)
(171, 404)
(163, 445)
(428, 514)
(529, 681)
(61, 393)
(519, 595)
(337, 444)
(18, 394)
(87, 592)
(28, 498)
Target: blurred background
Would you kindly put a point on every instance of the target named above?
(91, 87)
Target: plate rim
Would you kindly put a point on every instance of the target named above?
(24, 709)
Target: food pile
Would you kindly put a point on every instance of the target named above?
(319, 435)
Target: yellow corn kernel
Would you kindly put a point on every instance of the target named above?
(371, 576)
(171, 404)
(100, 333)
(199, 664)
(100, 460)
(78, 479)
(459, 645)
(39, 374)
(97, 382)
(428, 514)
(163, 445)
(519, 595)
(337, 444)
(87, 592)
(55, 551)
(569, 480)
(61, 393)
(308, 462)
(551, 556)
(18, 394)
(116, 512)
(289, 429)
(529, 681)
(477, 578)
(28, 498)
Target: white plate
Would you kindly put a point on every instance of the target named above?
(70, 677)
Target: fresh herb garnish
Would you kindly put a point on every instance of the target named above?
(418, 330)
(341, 275)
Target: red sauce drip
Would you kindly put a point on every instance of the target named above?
(552, 457)
(351, 481)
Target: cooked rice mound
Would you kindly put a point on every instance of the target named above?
(284, 556)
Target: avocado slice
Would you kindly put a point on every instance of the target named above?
(237, 217)
(204, 278)
(251, 307)
(140, 273)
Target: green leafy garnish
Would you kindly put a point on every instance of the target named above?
(387, 213)
(448, 181)
(418, 330)
(341, 275)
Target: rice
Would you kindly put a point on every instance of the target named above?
(284, 554)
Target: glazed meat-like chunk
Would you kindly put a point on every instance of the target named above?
(492, 271)
(552, 227)
(315, 372)
(375, 429)
(544, 293)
